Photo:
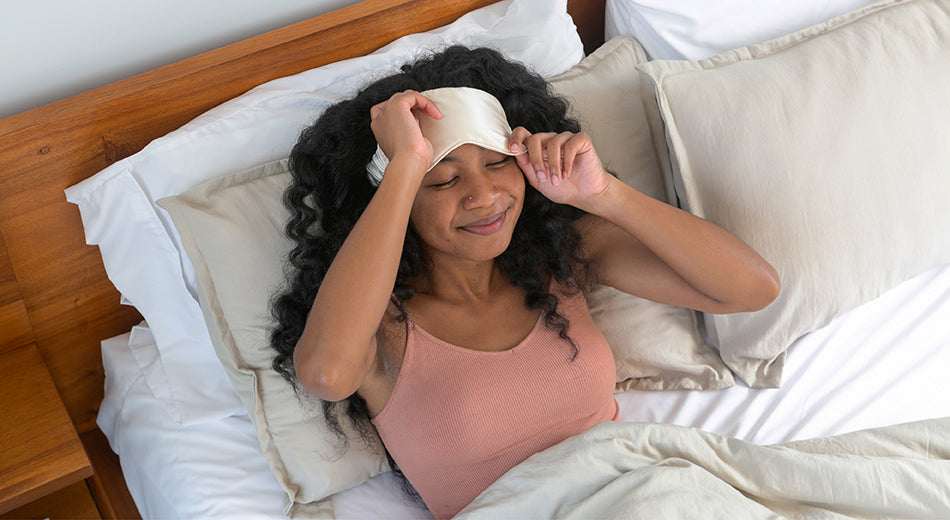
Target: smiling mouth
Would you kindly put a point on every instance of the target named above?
(487, 226)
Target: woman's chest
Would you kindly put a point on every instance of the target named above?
(496, 329)
(499, 326)
(472, 405)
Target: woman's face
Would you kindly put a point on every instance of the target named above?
(468, 204)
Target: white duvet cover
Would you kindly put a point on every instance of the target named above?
(881, 364)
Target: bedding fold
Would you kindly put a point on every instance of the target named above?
(639, 470)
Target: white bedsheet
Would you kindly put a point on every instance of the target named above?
(212, 469)
(881, 364)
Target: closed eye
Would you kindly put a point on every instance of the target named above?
(445, 184)
(499, 163)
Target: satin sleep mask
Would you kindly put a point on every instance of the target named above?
(470, 116)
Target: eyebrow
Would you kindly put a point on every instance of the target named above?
(450, 158)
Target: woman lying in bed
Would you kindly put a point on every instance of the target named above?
(441, 257)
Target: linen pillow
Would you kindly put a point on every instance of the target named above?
(825, 150)
(141, 250)
(232, 229)
(655, 346)
(697, 29)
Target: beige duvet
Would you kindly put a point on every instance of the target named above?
(656, 471)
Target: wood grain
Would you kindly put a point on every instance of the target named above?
(9, 290)
(39, 450)
(73, 502)
(107, 483)
(15, 329)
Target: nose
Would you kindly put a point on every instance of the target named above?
(481, 190)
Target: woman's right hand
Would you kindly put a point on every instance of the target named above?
(395, 123)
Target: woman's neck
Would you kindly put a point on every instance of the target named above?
(462, 281)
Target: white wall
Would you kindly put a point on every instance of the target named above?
(52, 49)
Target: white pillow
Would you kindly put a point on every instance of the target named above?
(697, 29)
(825, 150)
(142, 251)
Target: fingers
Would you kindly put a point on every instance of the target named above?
(538, 156)
(517, 142)
(517, 139)
(426, 106)
(406, 101)
(549, 156)
(554, 152)
(395, 123)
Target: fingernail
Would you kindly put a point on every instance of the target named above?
(542, 175)
(555, 180)
(514, 147)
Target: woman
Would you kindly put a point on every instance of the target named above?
(439, 293)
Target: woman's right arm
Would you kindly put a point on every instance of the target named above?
(338, 345)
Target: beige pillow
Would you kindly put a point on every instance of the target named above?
(827, 151)
(656, 346)
(232, 229)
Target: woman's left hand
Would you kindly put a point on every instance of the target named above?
(564, 167)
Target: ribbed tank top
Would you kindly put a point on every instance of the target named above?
(458, 418)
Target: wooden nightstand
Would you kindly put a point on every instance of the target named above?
(40, 452)
(50, 387)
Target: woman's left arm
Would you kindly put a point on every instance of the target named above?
(640, 245)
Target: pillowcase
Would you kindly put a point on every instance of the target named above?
(141, 250)
(826, 151)
(655, 346)
(232, 229)
(697, 29)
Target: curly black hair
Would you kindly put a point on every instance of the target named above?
(330, 189)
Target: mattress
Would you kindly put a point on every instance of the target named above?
(880, 364)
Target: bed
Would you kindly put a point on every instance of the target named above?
(152, 342)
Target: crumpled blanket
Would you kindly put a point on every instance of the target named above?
(657, 471)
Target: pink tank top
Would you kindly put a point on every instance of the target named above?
(458, 419)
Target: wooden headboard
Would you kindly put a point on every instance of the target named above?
(54, 293)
